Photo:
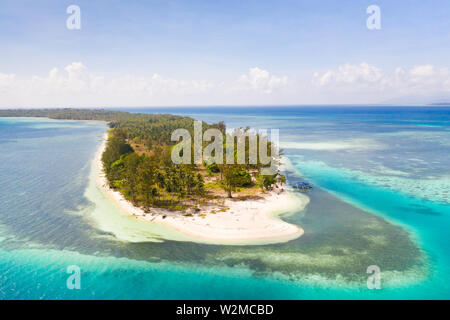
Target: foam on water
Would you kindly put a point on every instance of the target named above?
(428, 188)
(349, 144)
(122, 278)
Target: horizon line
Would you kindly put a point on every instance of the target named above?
(234, 106)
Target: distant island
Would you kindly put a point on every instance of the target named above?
(212, 201)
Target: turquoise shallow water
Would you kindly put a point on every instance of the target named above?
(368, 207)
(428, 221)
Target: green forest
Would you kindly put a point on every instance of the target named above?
(137, 160)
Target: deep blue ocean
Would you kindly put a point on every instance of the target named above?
(381, 197)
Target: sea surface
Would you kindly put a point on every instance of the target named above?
(381, 197)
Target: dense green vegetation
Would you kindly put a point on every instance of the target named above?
(137, 159)
(150, 178)
(69, 114)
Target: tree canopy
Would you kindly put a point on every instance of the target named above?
(137, 158)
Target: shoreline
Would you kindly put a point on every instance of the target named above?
(245, 222)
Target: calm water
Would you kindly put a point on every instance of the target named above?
(381, 198)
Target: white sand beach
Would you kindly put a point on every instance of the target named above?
(239, 222)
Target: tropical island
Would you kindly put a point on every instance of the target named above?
(211, 201)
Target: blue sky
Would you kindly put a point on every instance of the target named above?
(222, 52)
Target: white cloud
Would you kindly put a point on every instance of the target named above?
(422, 71)
(423, 79)
(76, 85)
(157, 85)
(6, 81)
(260, 80)
(371, 81)
(74, 79)
(350, 74)
(6, 78)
